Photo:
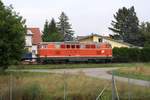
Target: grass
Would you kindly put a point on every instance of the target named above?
(46, 86)
(136, 72)
(70, 66)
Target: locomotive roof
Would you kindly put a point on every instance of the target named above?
(59, 42)
(72, 42)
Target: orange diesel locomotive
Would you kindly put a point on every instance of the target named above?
(74, 51)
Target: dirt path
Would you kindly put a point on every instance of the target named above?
(92, 72)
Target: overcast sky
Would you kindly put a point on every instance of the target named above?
(86, 16)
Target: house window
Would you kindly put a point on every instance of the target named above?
(100, 40)
(33, 51)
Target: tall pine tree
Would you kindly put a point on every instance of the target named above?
(64, 27)
(55, 36)
(50, 33)
(45, 32)
(52, 26)
(126, 25)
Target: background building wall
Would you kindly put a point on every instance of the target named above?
(115, 44)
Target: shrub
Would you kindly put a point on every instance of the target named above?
(145, 54)
(131, 55)
(134, 54)
(120, 55)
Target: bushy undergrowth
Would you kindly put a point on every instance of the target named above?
(131, 55)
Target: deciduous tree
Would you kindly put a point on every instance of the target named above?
(12, 36)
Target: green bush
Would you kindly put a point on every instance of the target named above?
(120, 55)
(134, 54)
(145, 54)
(131, 55)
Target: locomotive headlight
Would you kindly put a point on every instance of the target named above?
(102, 51)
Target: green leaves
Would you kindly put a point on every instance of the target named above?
(126, 25)
(12, 36)
(50, 33)
(145, 32)
(64, 27)
(131, 54)
(60, 32)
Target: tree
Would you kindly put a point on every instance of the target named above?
(52, 26)
(126, 25)
(12, 36)
(145, 31)
(45, 32)
(50, 33)
(115, 36)
(64, 27)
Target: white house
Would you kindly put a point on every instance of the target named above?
(33, 38)
(28, 40)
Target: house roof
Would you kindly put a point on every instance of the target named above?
(36, 38)
(81, 37)
(88, 36)
(105, 37)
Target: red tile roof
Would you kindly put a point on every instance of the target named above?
(36, 38)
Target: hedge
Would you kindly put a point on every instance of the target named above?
(131, 55)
